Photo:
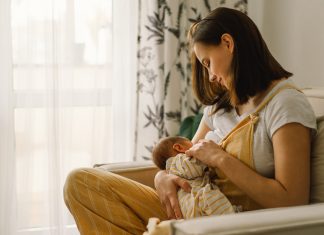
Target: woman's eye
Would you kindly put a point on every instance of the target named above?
(206, 63)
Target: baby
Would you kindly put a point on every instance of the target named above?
(205, 197)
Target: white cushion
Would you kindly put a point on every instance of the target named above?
(315, 97)
(289, 221)
(317, 164)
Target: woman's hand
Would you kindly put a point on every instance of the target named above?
(167, 186)
(208, 152)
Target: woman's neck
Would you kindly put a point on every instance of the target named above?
(254, 101)
(257, 99)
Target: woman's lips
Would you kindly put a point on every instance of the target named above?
(217, 79)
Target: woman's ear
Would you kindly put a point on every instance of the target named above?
(228, 41)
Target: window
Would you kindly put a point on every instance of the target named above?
(64, 115)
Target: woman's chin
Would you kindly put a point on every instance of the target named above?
(223, 86)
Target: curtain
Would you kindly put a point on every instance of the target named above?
(164, 94)
(68, 81)
(7, 163)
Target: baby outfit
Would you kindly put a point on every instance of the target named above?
(205, 197)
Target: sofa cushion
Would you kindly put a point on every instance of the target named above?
(317, 164)
(307, 219)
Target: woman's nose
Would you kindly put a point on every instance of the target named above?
(212, 77)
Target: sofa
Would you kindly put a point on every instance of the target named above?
(308, 219)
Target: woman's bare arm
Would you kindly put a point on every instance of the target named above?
(291, 184)
(167, 185)
(201, 132)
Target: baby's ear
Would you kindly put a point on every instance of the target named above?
(178, 147)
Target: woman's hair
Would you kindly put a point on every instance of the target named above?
(253, 67)
(164, 150)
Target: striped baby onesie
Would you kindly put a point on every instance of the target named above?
(205, 197)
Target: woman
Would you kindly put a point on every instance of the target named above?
(262, 124)
(234, 72)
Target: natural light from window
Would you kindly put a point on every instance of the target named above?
(62, 59)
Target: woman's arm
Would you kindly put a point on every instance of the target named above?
(167, 186)
(201, 132)
(291, 184)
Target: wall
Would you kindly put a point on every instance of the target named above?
(294, 33)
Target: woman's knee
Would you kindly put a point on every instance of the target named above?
(91, 179)
(73, 183)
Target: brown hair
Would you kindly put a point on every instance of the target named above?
(164, 150)
(253, 66)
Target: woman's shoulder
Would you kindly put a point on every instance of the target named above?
(290, 98)
(284, 93)
(290, 93)
(289, 105)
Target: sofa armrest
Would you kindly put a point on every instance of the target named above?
(142, 172)
(307, 219)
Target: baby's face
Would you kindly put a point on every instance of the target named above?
(187, 144)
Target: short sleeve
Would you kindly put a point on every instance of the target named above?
(289, 106)
(211, 135)
(207, 117)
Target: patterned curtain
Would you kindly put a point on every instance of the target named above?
(164, 93)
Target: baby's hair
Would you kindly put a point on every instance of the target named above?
(164, 150)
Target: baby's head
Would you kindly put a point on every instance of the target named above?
(169, 147)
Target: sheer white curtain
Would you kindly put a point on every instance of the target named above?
(125, 77)
(67, 73)
(7, 161)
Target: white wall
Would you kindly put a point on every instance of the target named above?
(294, 33)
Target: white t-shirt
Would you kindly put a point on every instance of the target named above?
(288, 106)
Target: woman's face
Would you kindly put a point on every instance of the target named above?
(217, 59)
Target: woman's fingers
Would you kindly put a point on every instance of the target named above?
(189, 153)
(169, 209)
(172, 202)
(167, 188)
(176, 207)
(182, 183)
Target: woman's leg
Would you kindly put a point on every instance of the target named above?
(102, 202)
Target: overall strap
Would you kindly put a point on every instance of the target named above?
(267, 100)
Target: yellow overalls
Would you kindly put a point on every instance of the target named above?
(239, 143)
